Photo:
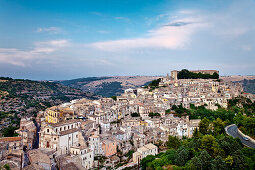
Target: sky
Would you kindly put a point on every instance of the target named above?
(64, 39)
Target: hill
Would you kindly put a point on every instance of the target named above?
(248, 82)
(249, 86)
(108, 86)
(20, 97)
(236, 78)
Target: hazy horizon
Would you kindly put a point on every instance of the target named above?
(62, 40)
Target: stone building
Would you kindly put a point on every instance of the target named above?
(60, 136)
(144, 151)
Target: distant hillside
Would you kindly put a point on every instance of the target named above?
(236, 78)
(249, 85)
(248, 82)
(20, 97)
(108, 86)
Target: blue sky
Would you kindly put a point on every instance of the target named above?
(46, 39)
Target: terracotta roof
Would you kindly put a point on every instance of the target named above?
(10, 139)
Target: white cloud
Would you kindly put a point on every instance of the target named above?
(24, 58)
(169, 37)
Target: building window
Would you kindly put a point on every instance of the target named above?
(76, 136)
(55, 138)
(48, 130)
(69, 138)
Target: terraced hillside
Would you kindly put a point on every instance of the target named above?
(20, 97)
(108, 86)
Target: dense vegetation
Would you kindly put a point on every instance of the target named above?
(210, 147)
(19, 97)
(135, 114)
(153, 84)
(186, 74)
(203, 151)
(154, 115)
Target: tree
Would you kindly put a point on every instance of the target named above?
(204, 126)
(195, 163)
(209, 143)
(205, 159)
(238, 160)
(238, 119)
(155, 83)
(229, 160)
(218, 163)
(135, 114)
(218, 126)
(229, 145)
(182, 156)
(154, 115)
(147, 160)
(7, 167)
(159, 162)
(9, 131)
(114, 98)
(196, 134)
(173, 142)
(215, 75)
(171, 155)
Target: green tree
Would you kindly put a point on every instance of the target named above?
(171, 155)
(182, 156)
(195, 163)
(9, 131)
(135, 114)
(7, 167)
(173, 142)
(205, 159)
(196, 134)
(229, 145)
(238, 119)
(159, 162)
(209, 143)
(114, 98)
(146, 160)
(154, 115)
(238, 160)
(218, 126)
(204, 126)
(229, 160)
(219, 163)
(215, 75)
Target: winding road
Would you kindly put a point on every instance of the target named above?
(232, 131)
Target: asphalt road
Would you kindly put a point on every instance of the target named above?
(232, 131)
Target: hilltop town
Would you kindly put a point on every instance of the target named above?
(121, 131)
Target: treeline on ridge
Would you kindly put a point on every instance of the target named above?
(186, 74)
